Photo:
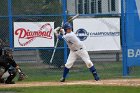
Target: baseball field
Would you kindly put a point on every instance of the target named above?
(44, 79)
(108, 28)
(103, 86)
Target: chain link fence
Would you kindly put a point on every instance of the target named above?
(4, 21)
(35, 62)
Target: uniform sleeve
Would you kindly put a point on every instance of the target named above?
(12, 62)
(60, 37)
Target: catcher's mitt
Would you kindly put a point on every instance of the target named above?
(22, 76)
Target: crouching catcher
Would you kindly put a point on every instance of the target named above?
(9, 68)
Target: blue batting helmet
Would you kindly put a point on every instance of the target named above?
(67, 25)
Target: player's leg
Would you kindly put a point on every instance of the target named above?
(94, 73)
(2, 70)
(85, 57)
(12, 73)
(71, 59)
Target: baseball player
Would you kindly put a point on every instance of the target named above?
(9, 68)
(77, 48)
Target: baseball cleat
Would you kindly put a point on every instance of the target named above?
(96, 77)
(9, 82)
(2, 81)
(62, 79)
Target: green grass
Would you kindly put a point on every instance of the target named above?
(38, 72)
(106, 70)
(73, 89)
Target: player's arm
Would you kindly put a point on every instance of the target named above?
(22, 75)
(59, 33)
(14, 64)
(11, 61)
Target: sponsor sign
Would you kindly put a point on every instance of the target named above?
(133, 33)
(33, 34)
(98, 34)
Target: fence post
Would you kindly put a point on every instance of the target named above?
(124, 51)
(65, 19)
(10, 23)
(117, 56)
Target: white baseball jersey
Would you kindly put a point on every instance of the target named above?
(77, 48)
(73, 41)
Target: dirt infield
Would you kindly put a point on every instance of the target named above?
(116, 82)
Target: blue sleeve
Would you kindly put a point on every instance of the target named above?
(60, 37)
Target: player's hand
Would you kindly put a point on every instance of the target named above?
(56, 31)
(62, 31)
(22, 76)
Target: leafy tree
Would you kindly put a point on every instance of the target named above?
(30, 7)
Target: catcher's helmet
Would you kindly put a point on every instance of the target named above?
(8, 52)
(67, 25)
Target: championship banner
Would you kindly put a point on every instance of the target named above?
(33, 34)
(98, 34)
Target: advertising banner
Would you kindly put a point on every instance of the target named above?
(98, 34)
(133, 32)
(33, 34)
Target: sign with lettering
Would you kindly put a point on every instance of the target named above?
(132, 33)
(98, 34)
(33, 34)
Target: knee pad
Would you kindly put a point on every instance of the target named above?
(12, 74)
(12, 71)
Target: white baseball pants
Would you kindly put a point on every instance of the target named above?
(82, 54)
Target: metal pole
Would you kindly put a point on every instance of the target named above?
(65, 19)
(123, 32)
(10, 23)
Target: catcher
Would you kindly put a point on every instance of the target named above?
(9, 68)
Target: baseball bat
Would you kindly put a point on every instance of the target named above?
(55, 47)
(54, 51)
(71, 19)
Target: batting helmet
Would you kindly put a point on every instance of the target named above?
(67, 25)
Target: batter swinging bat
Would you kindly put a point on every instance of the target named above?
(71, 19)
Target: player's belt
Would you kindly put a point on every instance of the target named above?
(77, 50)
